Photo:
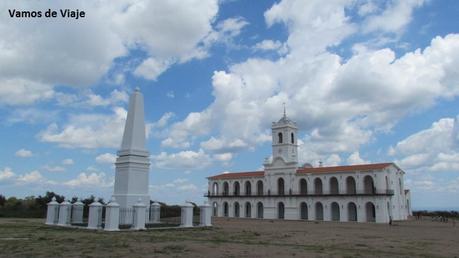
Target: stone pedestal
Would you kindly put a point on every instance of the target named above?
(187, 215)
(64, 213)
(139, 215)
(95, 215)
(52, 213)
(112, 216)
(205, 215)
(77, 212)
(155, 212)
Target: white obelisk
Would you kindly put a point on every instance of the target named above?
(133, 164)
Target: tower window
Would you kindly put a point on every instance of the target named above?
(293, 138)
(280, 137)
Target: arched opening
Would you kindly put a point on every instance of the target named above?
(236, 210)
(248, 188)
(303, 210)
(279, 137)
(350, 185)
(387, 183)
(334, 189)
(215, 209)
(248, 210)
(317, 186)
(225, 209)
(280, 210)
(335, 215)
(351, 212)
(260, 187)
(303, 186)
(368, 185)
(215, 189)
(260, 210)
(319, 211)
(280, 186)
(225, 188)
(237, 188)
(370, 212)
(292, 138)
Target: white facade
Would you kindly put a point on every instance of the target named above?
(362, 193)
(132, 164)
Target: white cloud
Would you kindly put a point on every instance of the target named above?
(225, 157)
(179, 184)
(33, 177)
(20, 91)
(54, 168)
(268, 44)
(88, 131)
(355, 159)
(151, 68)
(24, 153)
(68, 162)
(116, 97)
(188, 160)
(108, 158)
(6, 174)
(90, 180)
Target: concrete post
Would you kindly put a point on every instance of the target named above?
(139, 215)
(112, 216)
(206, 215)
(95, 215)
(155, 212)
(187, 215)
(77, 212)
(52, 213)
(64, 213)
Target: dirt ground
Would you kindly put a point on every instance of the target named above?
(235, 238)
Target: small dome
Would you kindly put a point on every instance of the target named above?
(307, 165)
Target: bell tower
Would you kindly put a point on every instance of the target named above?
(284, 143)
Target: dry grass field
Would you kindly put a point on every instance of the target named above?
(235, 238)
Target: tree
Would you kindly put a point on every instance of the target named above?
(2, 200)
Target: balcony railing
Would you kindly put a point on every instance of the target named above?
(376, 192)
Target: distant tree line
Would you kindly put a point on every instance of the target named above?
(433, 214)
(35, 207)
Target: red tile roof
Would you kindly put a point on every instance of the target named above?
(363, 167)
(238, 175)
(336, 169)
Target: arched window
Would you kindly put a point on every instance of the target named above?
(248, 210)
(215, 189)
(225, 188)
(279, 136)
(369, 187)
(260, 187)
(387, 183)
(303, 210)
(317, 186)
(237, 188)
(303, 186)
(350, 185)
(319, 211)
(280, 186)
(335, 211)
(248, 188)
(236, 210)
(334, 189)
(292, 138)
(215, 209)
(260, 210)
(225, 209)
(352, 212)
(280, 210)
(370, 212)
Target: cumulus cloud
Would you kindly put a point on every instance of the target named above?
(187, 160)
(68, 162)
(90, 180)
(23, 153)
(108, 158)
(34, 177)
(54, 168)
(6, 174)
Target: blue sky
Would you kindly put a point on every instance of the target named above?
(367, 81)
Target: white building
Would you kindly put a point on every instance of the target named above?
(363, 193)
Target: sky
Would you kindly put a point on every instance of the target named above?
(366, 81)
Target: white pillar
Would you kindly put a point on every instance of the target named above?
(77, 212)
(155, 212)
(112, 216)
(206, 215)
(64, 213)
(52, 213)
(95, 215)
(139, 215)
(187, 215)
